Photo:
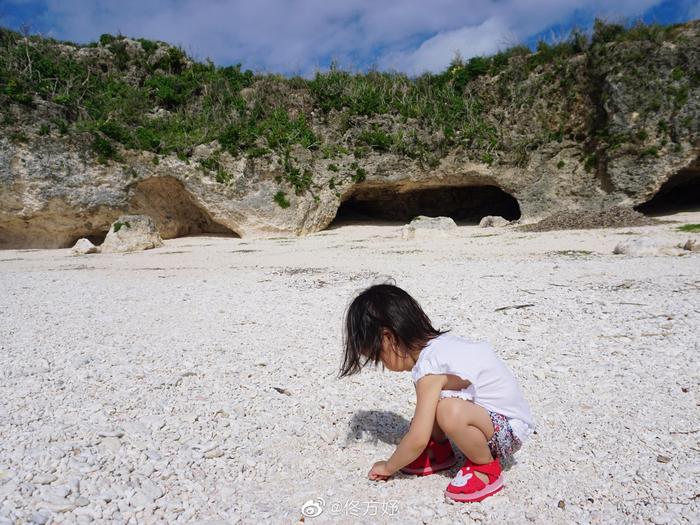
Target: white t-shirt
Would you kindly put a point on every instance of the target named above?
(493, 386)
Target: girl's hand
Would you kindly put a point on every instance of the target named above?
(379, 471)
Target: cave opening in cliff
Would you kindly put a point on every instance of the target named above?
(464, 204)
(174, 209)
(678, 194)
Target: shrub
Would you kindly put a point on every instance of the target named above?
(376, 138)
(103, 147)
(281, 199)
(107, 39)
(604, 32)
(359, 176)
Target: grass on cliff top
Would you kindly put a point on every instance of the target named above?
(150, 96)
(690, 228)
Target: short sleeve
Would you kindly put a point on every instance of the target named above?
(421, 368)
(426, 364)
(439, 360)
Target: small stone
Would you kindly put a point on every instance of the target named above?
(214, 453)
(59, 505)
(110, 433)
(40, 518)
(151, 489)
(692, 245)
(111, 444)
(328, 436)
(140, 499)
(43, 479)
(152, 422)
(79, 361)
(662, 518)
(561, 504)
(663, 459)
(173, 381)
(189, 417)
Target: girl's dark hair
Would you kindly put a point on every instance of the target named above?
(382, 306)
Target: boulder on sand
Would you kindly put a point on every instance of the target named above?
(131, 233)
(491, 221)
(428, 227)
(692, 245)
(645, 246)
(82, 247)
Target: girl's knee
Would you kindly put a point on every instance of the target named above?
(454, 413)
(449, 413)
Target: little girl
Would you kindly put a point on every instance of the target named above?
(464, 392)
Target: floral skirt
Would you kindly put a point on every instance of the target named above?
(504, 443)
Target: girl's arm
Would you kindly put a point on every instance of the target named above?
(416, 439)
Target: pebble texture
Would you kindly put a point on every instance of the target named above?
(195, 382)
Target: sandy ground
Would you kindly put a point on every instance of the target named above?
(144, 387)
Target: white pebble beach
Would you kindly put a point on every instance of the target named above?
(196, 382)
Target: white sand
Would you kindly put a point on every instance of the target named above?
(137, 387)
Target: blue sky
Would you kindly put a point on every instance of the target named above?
(302, 36)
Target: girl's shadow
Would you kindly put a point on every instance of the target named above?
(372, 426)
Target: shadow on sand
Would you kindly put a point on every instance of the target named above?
(372, 426)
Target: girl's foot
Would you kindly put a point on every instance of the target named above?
(437, 456)
(467, 485)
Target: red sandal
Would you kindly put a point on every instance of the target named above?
(443, 458)
(466, 486)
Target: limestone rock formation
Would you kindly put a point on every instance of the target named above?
(131, 233)
(82, 247)
(582, 134)
(493, 221)
(428, 228)
(645, 246)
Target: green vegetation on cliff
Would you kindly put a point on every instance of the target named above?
(145, 95)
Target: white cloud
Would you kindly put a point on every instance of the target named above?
(300, 35)
(436, 52)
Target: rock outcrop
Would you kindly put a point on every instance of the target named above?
(493, 221)
(428, 228)
(645, 246)
(83, 247)
(131, 233)
(585, 134)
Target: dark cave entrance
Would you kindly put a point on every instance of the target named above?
(173, 209)
(464, 204)
(679, 193)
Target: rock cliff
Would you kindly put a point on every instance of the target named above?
(587, 124)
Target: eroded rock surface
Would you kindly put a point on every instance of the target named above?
(580, 135)
(131, 233)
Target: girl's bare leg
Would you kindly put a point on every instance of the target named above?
(469, 426)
